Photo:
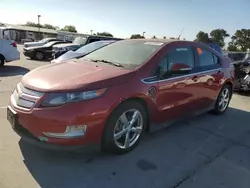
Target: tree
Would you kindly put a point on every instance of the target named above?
(69, 28)
(31, 24)
(241, 40)
(154, 37)
(137, 36)
(164, 37)
(106, 34)
(49, 26)
(202, 37)
(232, 47)
(218, 36)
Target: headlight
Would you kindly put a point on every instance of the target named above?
(58, 99)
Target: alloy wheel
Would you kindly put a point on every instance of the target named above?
(224, 99)
(128, 128)
(39, 55)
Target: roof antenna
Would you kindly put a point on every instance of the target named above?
(180, 34)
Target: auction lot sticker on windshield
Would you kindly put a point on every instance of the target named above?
(154, 43)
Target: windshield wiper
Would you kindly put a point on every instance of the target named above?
(109, 62)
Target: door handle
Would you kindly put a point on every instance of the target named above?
(195, 78)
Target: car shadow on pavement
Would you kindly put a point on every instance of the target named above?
(243, 93)
(37, 60)
(7, 71)
(163, 159)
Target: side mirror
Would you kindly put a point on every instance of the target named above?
(180, 68)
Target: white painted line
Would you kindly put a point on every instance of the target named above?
(2, 107)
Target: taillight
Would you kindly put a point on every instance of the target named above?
(13, 44)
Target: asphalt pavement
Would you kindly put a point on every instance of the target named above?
(205, 152)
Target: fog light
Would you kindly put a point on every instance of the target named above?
(73, 131)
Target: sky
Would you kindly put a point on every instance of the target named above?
(125, 17)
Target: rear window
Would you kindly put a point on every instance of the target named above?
(236, 56)
(216, 47)
(51, 43)
(126, 52)
(80, 40)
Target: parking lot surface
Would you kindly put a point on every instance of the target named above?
(205, 152)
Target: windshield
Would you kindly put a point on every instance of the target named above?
(126, 52)
(80, 40)
(50, 43)
(43, 40)
(93, 46)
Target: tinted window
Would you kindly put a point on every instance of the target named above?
(216, 59)
(80, 40)
(205, 57)
(236, 56)
(50, 43)
(126, 52)
(181, 55)
(94, 40)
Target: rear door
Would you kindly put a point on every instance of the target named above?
(176, 94)
(209, 76)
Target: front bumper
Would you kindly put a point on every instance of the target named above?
(31, 139)
(32, 124)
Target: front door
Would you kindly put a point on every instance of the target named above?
(176, 94)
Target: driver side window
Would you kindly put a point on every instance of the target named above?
(180, 55)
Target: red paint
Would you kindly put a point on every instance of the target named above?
(174, 97)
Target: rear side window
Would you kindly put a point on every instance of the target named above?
(206, 58)
(181, 55)
(94, 40)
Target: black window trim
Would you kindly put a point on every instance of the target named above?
(167, 57)
(207, 67)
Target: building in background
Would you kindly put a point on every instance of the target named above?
(20, 33)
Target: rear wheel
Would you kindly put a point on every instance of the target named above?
(223, 100)
(124, 128)
(39, 55)
(2, 61)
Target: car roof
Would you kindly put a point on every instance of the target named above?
(171, 41)
(165, 41)
(105, 37)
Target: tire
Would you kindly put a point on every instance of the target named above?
(2, 61)
(218, 110)
(114, 125)
(39, 56)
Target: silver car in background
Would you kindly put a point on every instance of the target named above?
(81, 52)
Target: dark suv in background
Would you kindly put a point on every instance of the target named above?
(78, 43)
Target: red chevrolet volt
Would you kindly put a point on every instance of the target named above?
(111, 97)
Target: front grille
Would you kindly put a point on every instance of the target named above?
(25, 97)
(30, 91)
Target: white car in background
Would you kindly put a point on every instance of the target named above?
(8, 51)
(40, 43)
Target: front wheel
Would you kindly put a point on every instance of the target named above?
(39, 55)
(223, 100)
(124, 128)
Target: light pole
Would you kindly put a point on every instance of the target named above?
(91, 32)
(143, 33)
(38, 19)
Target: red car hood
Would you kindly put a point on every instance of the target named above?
(75, 75)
